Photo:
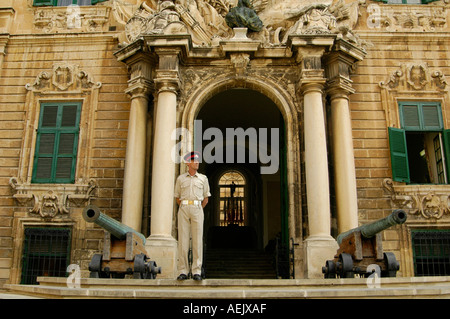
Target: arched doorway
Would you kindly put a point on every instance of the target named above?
(243, 147)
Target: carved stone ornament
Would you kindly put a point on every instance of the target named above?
(414, 18)
(71, 18)
(240, 62)
(415, 76)
(50, 203)
(424, 202)
(205, 20)
(63, 77)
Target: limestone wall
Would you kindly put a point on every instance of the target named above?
(99, 81)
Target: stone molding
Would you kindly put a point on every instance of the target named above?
(71, 19)
(430, 202)
(63, 77)
(412, 18)
(415, 76)
(50, 201)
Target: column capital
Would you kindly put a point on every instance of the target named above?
(339, 88)
(139, 88)
(167, 81)
(312, 80)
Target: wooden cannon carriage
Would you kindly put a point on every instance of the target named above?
(361, 251)
(123, 250)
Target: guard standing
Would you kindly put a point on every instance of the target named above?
(191, 193)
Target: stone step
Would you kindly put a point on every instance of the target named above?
(233, 263)
(404, 287)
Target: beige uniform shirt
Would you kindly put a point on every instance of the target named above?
(189, 187)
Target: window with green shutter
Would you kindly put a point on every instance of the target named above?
(419, 149)
(57, 143)
(63, 3)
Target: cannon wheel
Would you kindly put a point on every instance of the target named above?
(141, 270)
(346, 266)
(392, 265)
(95, 267)
(330, 269)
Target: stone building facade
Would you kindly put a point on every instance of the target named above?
(353, 93)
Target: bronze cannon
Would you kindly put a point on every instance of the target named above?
(361, 251)
(123, 250)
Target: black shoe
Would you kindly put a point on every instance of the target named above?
(197, 277)
(182, 277)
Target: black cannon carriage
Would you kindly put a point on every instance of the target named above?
(123, 250)
(361, 251)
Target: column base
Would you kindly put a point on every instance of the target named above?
(164, 251)
(317, 250)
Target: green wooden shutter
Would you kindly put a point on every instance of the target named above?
(399, 155)
(420, 116)
(410, 116)
(446, 141)
(431, 115)
(57, 143)
(42, 3)
(97, 1)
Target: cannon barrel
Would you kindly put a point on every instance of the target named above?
(397, 217)
(92, 214)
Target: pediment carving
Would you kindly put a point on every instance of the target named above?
(420, 201)
(71, 19)
(53, 201)
(205, 20)
(416, 77)
(63, 77)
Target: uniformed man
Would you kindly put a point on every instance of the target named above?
(191, 193)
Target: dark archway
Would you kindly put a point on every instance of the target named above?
(252, 114)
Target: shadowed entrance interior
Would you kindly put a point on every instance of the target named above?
(246, 213)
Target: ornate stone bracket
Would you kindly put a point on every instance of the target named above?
(50, 202)
(421, 201)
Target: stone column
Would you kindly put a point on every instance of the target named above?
(344, 161)
(338, 65)
(139, 88)
(161, 245)
(319, 246)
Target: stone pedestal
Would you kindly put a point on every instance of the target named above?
(163, 250)
(317, 250)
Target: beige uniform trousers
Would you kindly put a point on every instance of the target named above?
(190, 223)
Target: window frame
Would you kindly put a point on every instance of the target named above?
(29, 232)
(419, 253)
(57, 130)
